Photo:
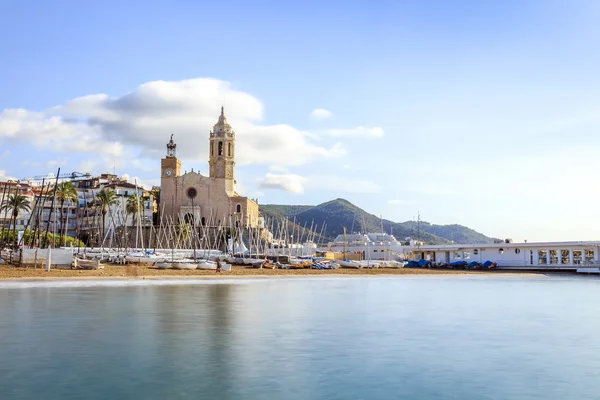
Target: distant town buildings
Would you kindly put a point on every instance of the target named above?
(82, 218)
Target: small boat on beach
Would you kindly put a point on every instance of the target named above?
(145, 258)
(164, 265)
(255, 263)
(207, 264)
(393, 264)
(350, 264)
(184, 264)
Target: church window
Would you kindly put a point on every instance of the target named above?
(203, 220)
(212, 149)
(229, 149)
(238, 208)
(220, 148)
(191, 193)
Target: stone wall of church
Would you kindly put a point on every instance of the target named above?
(245, 210)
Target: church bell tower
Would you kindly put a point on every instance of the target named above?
(222, 153)
(170, 165)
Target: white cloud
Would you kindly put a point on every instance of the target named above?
(289, 182)
(359, 131)
(86, 166)
(320, 114)
(298, 184)
(55, 163)
(401, 202)
(5, 177)
(138, 125)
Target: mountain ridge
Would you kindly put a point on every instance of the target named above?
(333, 216)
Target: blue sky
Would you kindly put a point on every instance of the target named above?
(481, 113)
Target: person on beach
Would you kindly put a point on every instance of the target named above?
(218, 265)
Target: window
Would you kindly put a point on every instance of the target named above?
(531, 257)
(577, 256)
(501, 251)
(517, 251)
(238, 208)
(589, 256)
(191, 193)
(466, 255)
(374, 251)
(457, 255)
(542, 257)
(229, 149)
(553, 257)
(220, 148)
(565, 257)
(203, 221)
(212, 149)
(476, 251)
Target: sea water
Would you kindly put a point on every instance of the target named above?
(451, 337)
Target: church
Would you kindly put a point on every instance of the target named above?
(206, 200)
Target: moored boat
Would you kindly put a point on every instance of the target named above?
(183, 264)
(164, 265)
(393, 264)
(207, 264)
(350, 264)
(145, 258)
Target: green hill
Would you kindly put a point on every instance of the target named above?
(333, 216)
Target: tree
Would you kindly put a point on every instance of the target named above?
(105, 198)
(183, 231)
(15, 203)
(135, 205)
(155, 193)
(65, 191)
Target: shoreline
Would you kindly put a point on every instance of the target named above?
(140, 272)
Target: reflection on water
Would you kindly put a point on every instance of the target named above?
(417, 338)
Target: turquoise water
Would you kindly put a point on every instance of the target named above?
(341, 338)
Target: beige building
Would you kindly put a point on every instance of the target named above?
(206, 200)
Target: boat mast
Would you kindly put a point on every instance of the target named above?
(418, 230)
(344, 243)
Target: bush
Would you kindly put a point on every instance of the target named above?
(10, 239)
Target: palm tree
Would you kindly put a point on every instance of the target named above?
(106, 198)
(65, 191)
(15, 203)
(134, 206)
(183, 231)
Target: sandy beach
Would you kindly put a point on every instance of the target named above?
(141, 271)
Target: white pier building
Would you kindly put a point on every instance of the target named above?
(542, 255)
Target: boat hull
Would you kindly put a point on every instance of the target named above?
(207, 265)
(350, 264)
(184, 265)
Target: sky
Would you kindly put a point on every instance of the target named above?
(481, 113)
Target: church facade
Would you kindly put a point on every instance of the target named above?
(206, 200)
